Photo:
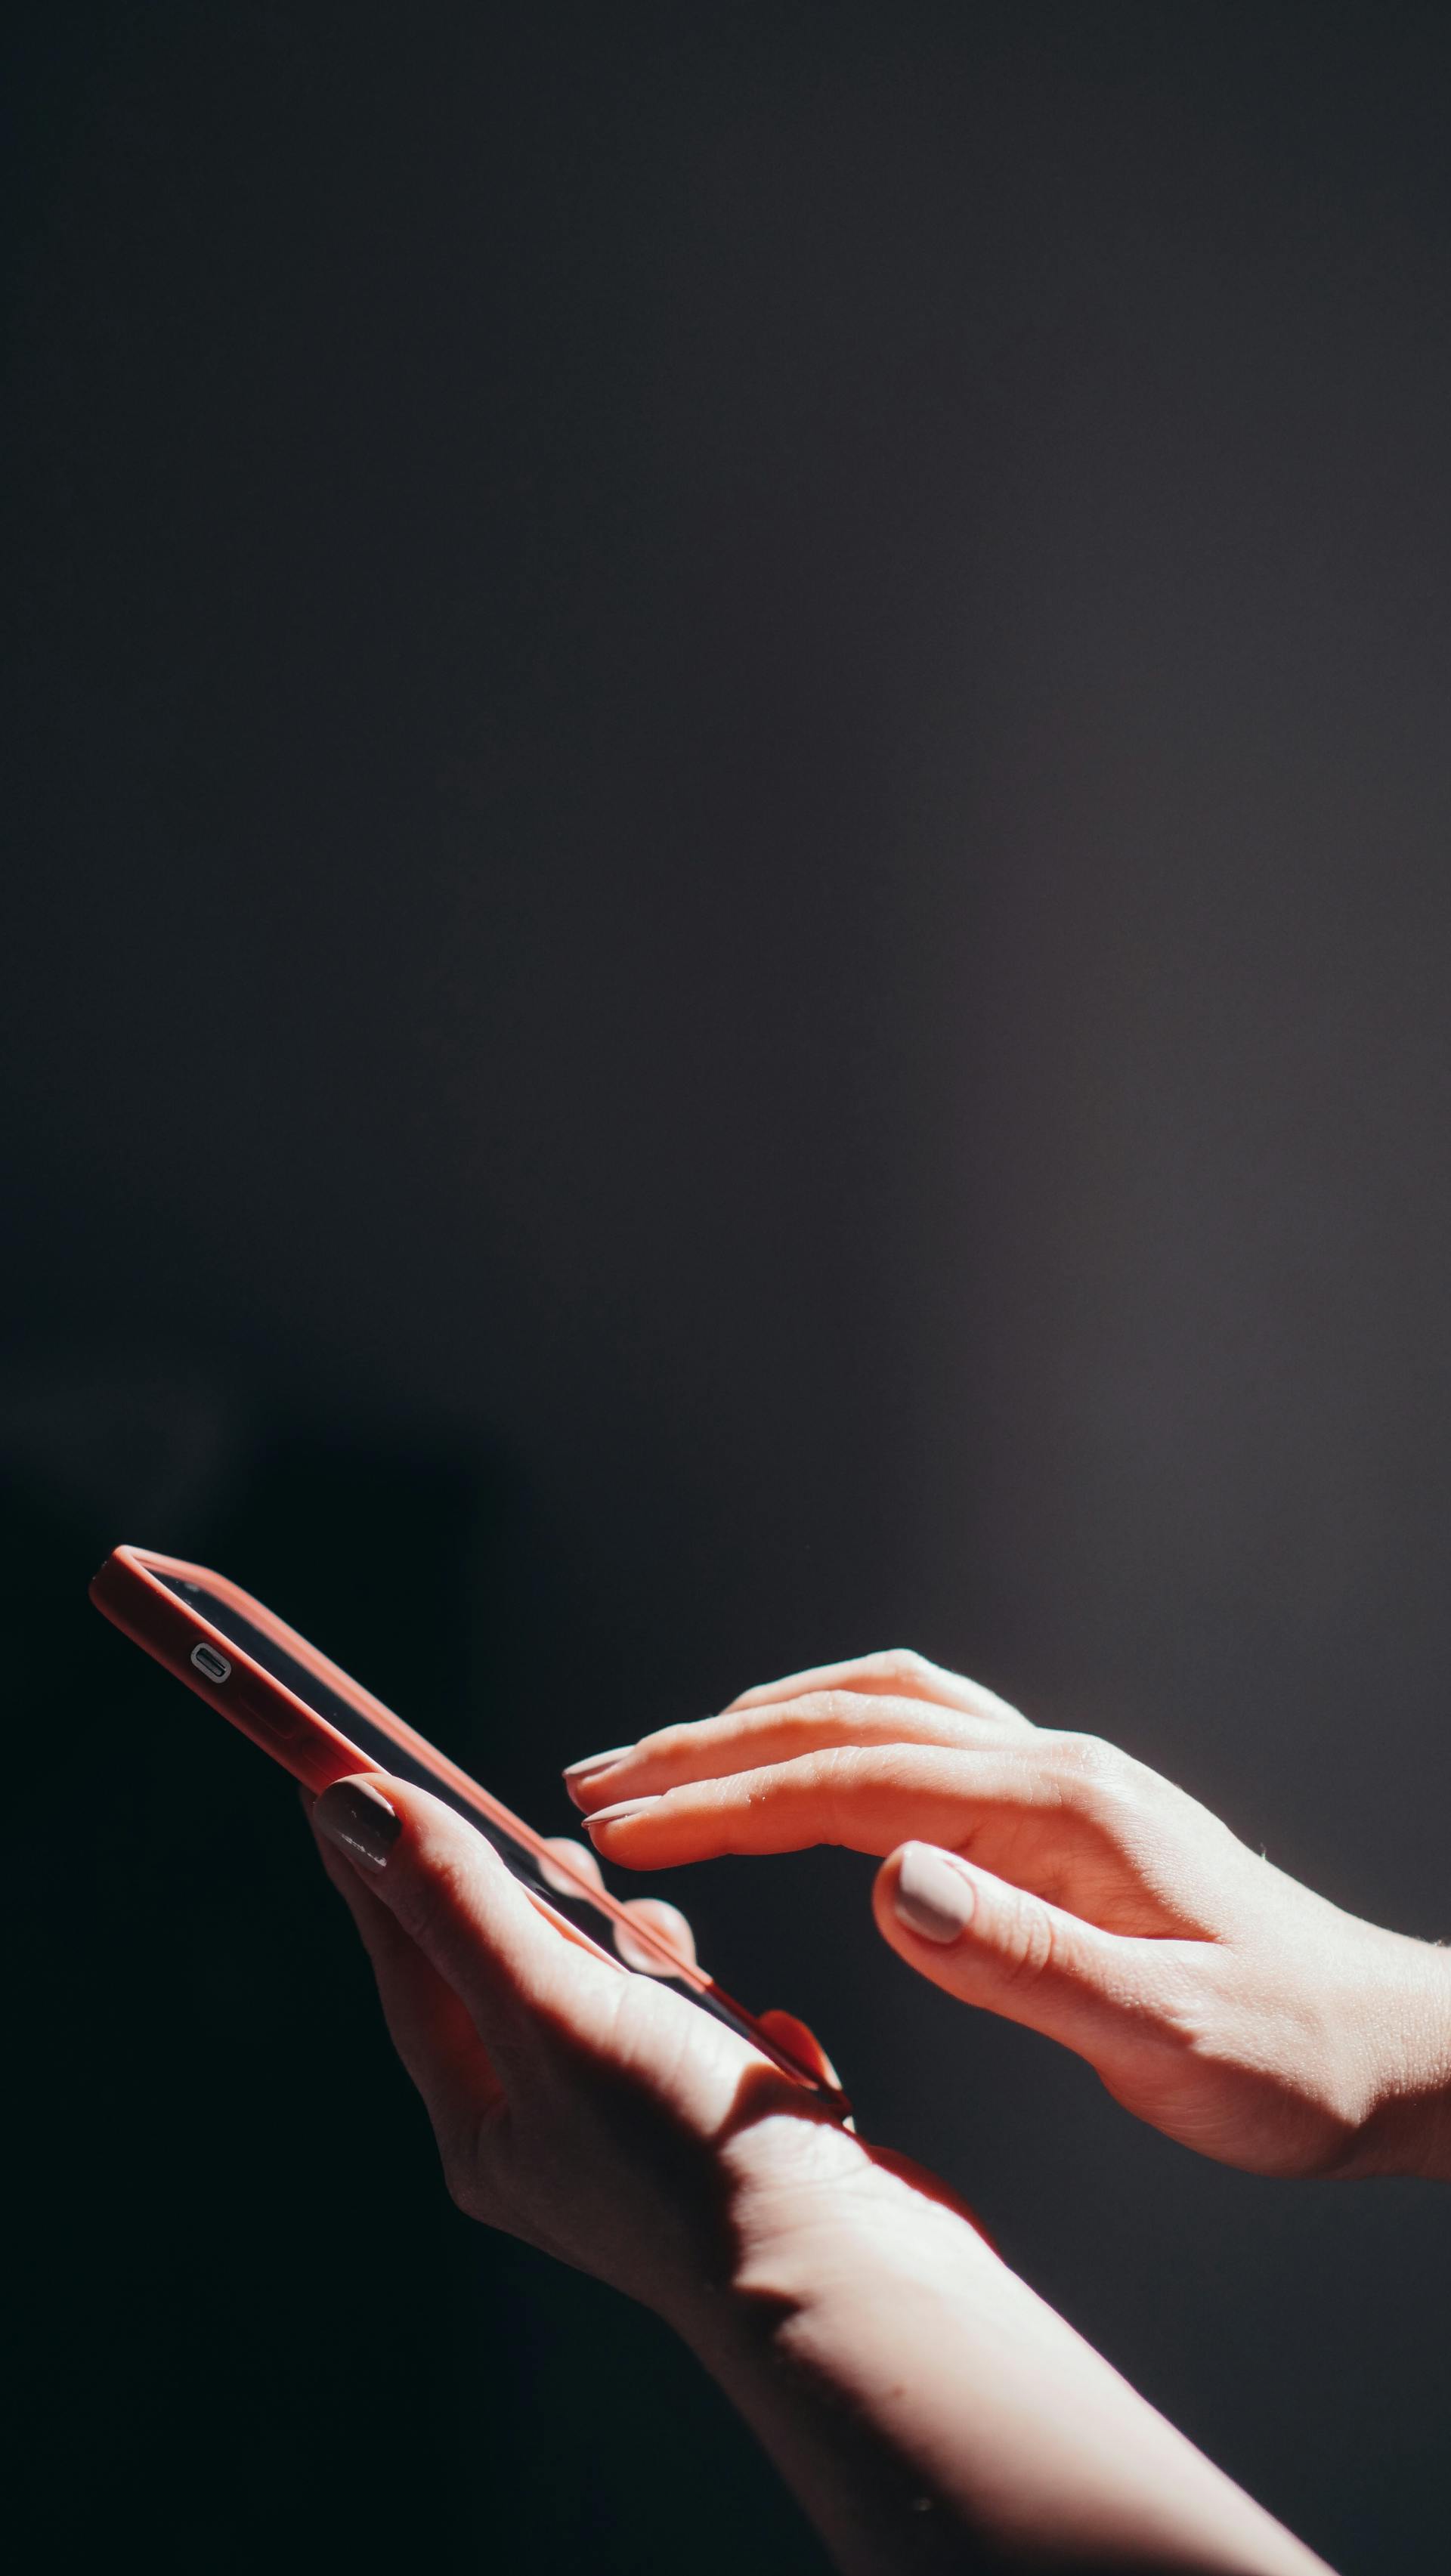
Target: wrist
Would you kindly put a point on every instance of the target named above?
(1407, 2130)
(812, 2218)
(844, 2329)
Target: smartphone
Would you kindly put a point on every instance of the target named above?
(320, 1725)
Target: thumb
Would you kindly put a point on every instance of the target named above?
(1009, 1951)
(509, 1963)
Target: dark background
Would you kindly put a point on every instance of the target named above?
(726, 932)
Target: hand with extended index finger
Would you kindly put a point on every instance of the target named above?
(1049, 1877)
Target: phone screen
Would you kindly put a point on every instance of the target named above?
(542, 1875)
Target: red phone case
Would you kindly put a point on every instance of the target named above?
(130, 1592)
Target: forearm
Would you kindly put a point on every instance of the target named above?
(931, 2413)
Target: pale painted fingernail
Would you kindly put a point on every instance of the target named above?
(932, 1897)
(580, 1777)
(591, 1762)
(357, 1817)
(616, 1815)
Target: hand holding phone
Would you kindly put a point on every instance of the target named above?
(594, 2114)
(908, 2386)
(927, 2408)
(310, 1716)
(592, 2089)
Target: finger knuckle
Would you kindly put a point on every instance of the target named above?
(830, 1771)
(666, 1741)
(1089, 1757)
(1029, 1943)
(835, 1708)
(462, 2185)
(833, 1776)
(1183, 2027)
(1101, 1781)
(899, 1664)
(468, 2145)
(428, 1902)
(462, 2179)
(1172, 1999)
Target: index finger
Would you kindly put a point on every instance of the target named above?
(751, 1737)
(866, 1798)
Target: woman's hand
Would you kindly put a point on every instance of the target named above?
(594, 2113)
(928, 2410)
(1051, 1878)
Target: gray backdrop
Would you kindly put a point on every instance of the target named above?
(730, 793)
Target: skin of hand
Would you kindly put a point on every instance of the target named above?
(1051, 1878)
(928, 2410)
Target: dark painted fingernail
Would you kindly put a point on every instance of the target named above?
(616, 1815)
(932, 1898)
(357, 1817)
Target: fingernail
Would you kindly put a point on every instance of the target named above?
(580, 1775)
(932, 1897)
(358, 1818)
(596, 1761)
(616, 1815)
